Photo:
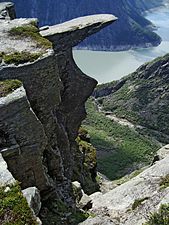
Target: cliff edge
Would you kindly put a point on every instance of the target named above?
(42, 97)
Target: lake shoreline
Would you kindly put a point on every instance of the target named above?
(106, 66)
(118, 48)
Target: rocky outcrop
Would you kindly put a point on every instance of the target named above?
(132, 30)
(39, 121)
(133, 201)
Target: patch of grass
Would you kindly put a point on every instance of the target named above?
(138, 202)
(14, 209)
(31, 31)
(161, 217)
(124, 148)
(164, 182)
(7, 86)
(20, 57)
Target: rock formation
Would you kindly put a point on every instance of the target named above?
(40, 118)
(130, 31)
(133, 201)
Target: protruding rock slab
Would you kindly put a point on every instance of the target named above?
(76, 30)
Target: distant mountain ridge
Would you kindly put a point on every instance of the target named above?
(130, 31)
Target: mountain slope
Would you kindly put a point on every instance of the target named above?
(142, 98)
(132, 29)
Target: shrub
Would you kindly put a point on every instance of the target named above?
(161, 217)
(20, 57)
(7, 86)
(138, 202)
(165, 182)
(31, 31)
(14, 209)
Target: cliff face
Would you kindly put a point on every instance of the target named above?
(39, 120)
(131, 30)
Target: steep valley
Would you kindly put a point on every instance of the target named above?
(128, 119)
(58, 128)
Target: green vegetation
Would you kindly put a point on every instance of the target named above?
(31, 31)
(142, 99)
(58, 211)
(14, 209)
(138, 202)
(120, 149)
(20, 57)
(106, 85)
(161, 217)
(164, 182)
(7, 86)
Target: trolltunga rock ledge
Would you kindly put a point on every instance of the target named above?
(76, 30)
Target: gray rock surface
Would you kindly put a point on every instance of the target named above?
(7, 11)
(98, 220)
(23, 140)
(6, 177)
(163, 152)
(117, 204)
(85, 202)
(10, 43)
(32, 196)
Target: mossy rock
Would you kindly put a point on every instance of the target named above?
(8, 86)
(164, 182)
(14, 209)
(31, 31)
(20, 57)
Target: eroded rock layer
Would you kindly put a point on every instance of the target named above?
(39, 121)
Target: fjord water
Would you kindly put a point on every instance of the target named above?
(108, 66)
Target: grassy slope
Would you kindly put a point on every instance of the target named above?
(142, 98)
(125, 150)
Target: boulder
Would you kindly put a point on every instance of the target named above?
(6, 177)
(32, 196)
(77, 191)
(85, 202)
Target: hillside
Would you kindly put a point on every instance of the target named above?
(132, 29)
(141, 98)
